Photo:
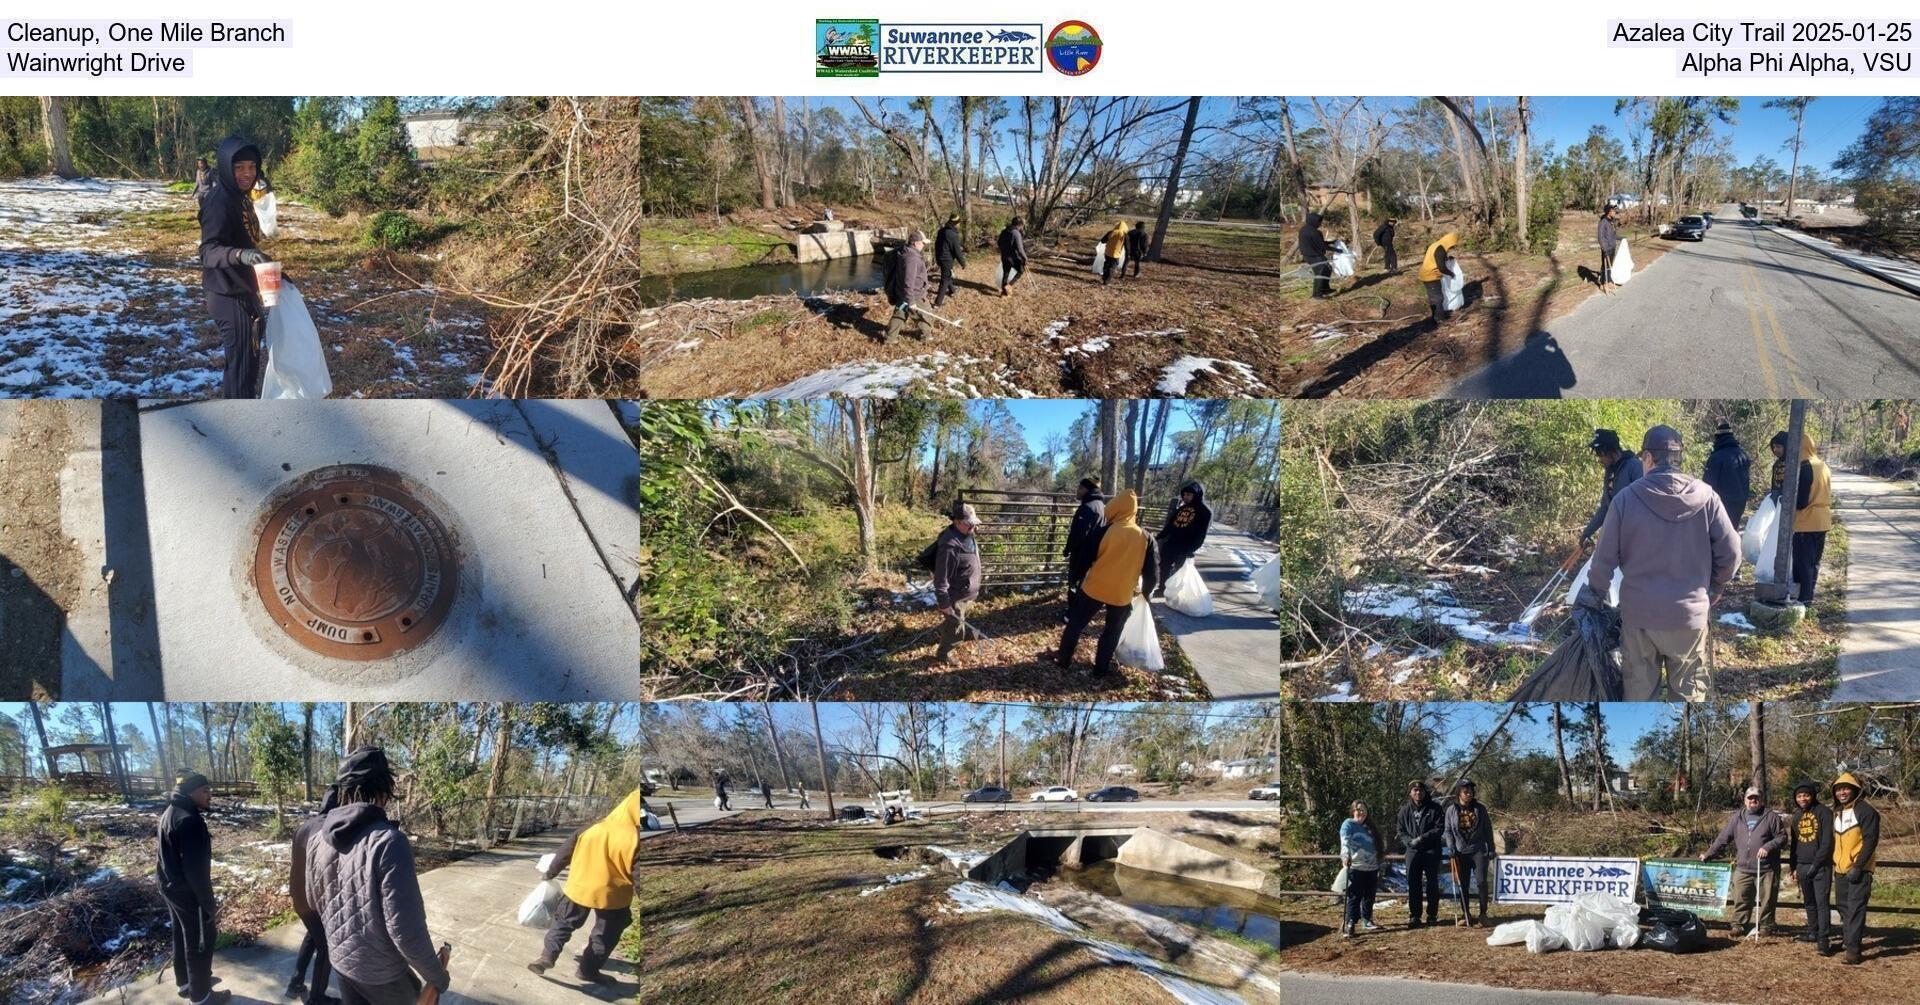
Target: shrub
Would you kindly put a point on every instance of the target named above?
(394, 231)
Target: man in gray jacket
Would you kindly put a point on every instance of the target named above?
(956, 577)
(1676, 550)
(905, 286)
(1756, 835)
(361, 880)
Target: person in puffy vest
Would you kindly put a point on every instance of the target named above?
(1812, 519)
(600, 862)
(313, 948)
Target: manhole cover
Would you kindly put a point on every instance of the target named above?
(352, 564)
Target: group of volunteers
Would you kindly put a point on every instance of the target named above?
(1675, 541)
(1437, 264)
(905, 279)
(1110, 559)
(1831, 849)
(355, 888)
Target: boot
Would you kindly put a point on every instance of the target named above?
(1852, 958)
(541, 965)
(592, 976)
(296, 988)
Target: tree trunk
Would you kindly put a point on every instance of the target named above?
(966, 166)
(773, 740)
(1520, 173)
(497, 775)
(1296, 174)
(114, 760)
(206, 728)
(780, 147)
(1172, 194)
(1003, 746)
(1757, 745)
(40, 727)
(862, 469)
(306, 750)
(53, 128)
(1109, 442)
(165, 762)
(754, 144)
(820, 751)
(1560, 755)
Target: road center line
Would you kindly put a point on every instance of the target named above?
(1759, 341)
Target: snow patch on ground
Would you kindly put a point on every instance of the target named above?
(1739, 621)
(1434, 604)
(896, 880)
(938, 373)
(1181, 372)
(963, 859)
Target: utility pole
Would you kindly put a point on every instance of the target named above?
(820, 748)
(1003, 747)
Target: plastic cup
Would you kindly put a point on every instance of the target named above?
(267, 276)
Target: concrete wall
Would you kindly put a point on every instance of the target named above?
(822, 247)
(1151, 850)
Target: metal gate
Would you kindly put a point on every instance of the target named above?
(1022, 535)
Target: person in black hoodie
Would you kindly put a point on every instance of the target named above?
(1810, 847)
(229, 249)
(1013, 255)
(1185, 530)
(313, 948)
(1137, 246)
(185, 873)
(946, 252)
(1728, 472)
(1083, 532)
(1316, 252)
(1383, 236)
(1420, 827)
(1622, 469)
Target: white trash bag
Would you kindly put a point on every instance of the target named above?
(266, 209)
(1340, 881)
(1621, 916)
(1139, 642)
(545, 863)
(1342, 261)
(717, 804)
(1100, 259)
(1453, 287)
(1622, 264)
(1266, 579)
(1187, 592)
(1613, 589)
(1584, 930)
(1753, 536)
(296, 362)
(536, 911)
(1537, 937)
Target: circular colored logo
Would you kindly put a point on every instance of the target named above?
(1073, 47)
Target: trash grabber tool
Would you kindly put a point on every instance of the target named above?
(927, 313)
(431, 995)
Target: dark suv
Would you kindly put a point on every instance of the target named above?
(988, 794)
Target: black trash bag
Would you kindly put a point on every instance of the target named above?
(1672, 931)
(1582, 667)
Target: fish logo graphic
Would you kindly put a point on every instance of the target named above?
(1010, 35)
(1610, 871)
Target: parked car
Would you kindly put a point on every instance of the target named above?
(1265, 792)
(1054, 794)
(1114, 794)
(988, 794)
(1688, 228)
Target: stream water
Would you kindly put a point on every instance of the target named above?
(861, 275)
(1200, 904)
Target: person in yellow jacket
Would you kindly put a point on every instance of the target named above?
(600, 862)
(1116, 249)
(1434, 268)
(1812, 510)
(1856, 836)
(1126, 561)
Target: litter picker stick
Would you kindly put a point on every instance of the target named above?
(430, 995)
(936, 317)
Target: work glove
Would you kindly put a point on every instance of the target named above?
(1856, 874)
(1586, 542)
(1589, 599)
(253, 256)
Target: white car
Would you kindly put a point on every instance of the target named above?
(1054, 794)
(1265, 792)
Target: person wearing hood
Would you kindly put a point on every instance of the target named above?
(956, 577)
(1185, 530)
(313, 948)
(362, 881)
(1609, 237)
(1621, 469)
(1137, 246)
(1468, 837)
(1810, 848)
(720, 799)
(1125, 560)
(1317, 253)
(184, 870)
(1012, 244)
(1856, 837)
(229, 249)
(1729, 472)
(1083, 533)
(1360, 857)
(1676, 550)
(1420, 826)
(1755, 833)
(1383, 236)
(1116, 251)
(1812, 518)
(905, 284)
(202, 179)
(1434, 268)
(947, 252)
(600, 862)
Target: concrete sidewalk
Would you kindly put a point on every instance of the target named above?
(1880, 657)
(471, 904)
(1236, 650)
(1905, 275)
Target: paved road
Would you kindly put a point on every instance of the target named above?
(1745, 313)
(1236, 649)
(694, 811)
(1880, 658)
(1306, 989)
(471, 904)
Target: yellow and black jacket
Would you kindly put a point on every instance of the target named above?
(1856, 830)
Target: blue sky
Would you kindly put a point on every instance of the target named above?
(838, 716)
(1626, 723)
(1041, 417)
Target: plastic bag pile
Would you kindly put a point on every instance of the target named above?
(1592, 922)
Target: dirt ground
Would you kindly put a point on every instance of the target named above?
(768, 908)
(1373, 339)
(1400, 660)
(107, 292)
(39, 564)
(1211, 302)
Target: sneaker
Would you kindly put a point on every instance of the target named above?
(540, 966)
(1828, 950)
(1461, 923)
(1346, 930)
(1805, 937)
(296, 988)
(216, 998)
(1367, 925)
(1413, 923)
(1852, 958)
(593, 976)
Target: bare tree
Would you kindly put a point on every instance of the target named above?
(1172, 195)
(820, 751)
(1355, 134)
(756, 144)
(53, 128)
